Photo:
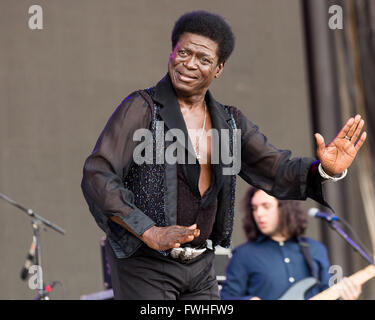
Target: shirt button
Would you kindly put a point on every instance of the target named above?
(281, 243)
(291, 280)
(286, 260)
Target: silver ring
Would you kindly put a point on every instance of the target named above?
(347, 138)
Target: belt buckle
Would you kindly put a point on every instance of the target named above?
(186, 254)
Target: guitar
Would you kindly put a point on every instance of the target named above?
(297, 291)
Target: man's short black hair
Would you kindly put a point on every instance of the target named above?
(209, 25)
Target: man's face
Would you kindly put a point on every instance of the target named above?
(266, 213)
(193, 64)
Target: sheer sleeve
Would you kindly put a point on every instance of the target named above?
(104, 170)
(273, 170)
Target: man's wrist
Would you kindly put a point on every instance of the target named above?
(326, 171)
(326, 176)
(148, 237)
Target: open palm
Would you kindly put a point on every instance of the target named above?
(340, 153)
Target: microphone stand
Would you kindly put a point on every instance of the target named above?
(36, 221)
(356, 247)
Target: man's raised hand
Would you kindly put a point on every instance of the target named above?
(340, 153)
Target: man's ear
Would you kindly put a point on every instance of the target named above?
(219, 69)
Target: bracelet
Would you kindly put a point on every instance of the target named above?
(326, 176)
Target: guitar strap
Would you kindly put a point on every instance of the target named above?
(304, 246)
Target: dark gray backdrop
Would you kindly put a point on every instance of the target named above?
(59, 85)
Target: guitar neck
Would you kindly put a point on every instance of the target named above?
(359, 277)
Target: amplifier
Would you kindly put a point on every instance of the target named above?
(106, 270)
(222, 257)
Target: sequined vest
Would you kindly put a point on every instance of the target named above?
(149, 186)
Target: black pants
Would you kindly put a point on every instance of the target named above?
(148, 275)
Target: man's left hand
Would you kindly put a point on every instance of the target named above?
(340, 153)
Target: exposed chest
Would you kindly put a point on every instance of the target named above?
(199, 127)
